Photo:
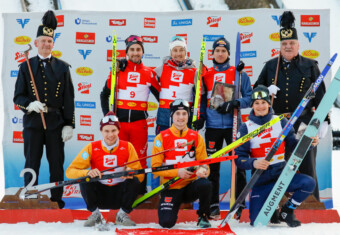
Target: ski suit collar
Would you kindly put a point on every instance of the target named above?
(177, 132)
(221, 67)
(260, 120)
(188, 64)
(133, 66)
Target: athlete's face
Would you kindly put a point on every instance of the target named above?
(261, 107)
(135, 53)
(289, 49)
(178, 54)
(180, 119)
(220, 54)
(110, 134)
(45, 45)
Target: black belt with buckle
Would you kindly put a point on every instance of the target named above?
(51, 109)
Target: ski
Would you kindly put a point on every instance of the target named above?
(113, 72)
(299, 153)
(256, 175)
(197, 103)
(219, 153)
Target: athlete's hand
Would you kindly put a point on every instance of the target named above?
(261, 164)
(94, 173)
(203, 171)
(184, 174)
(127, 177)
(315, 141)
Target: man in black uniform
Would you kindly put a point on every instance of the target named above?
(56, 93)
(295, 76)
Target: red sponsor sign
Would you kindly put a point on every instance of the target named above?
(310, 20)
(248, 70)
(85, 120)
(85, 38)
(211, 144)
(117, 22)
(17, 137)
(183, 35)
(60, 20)
(151, 121)
(16, 107)
(212, 21)
(19, 57)
(84, 87)
(168, 199)
(86, 137)
(245, 117)
(150, 39)
(72, 191)
(121, 54)
(275, 52)
(149, 22)
(210, 55)
(245, 37)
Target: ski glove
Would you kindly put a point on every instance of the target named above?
(323, 130)
(122, 64)
(228, 107)
(36, 106)
(198, 124)
(273, 90)
(66, 133)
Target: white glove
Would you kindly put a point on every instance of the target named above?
(323, 130)
(36, 106)
(273, 90)
(66, 133)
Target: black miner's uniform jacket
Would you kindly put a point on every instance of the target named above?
(55, 89)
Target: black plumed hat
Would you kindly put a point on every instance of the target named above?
(288, 30)
(49, 24)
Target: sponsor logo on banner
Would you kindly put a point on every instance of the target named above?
(310, 20)
(85, 120)
(181, 22)
(133, 77)
(245, 21)
(275, 37)
(210, 55)
(14, 73)
(211, 38)
(56, 35)
(150, 39)
(79, 21)
(312, 54)
(248, 54)
(109, 39)
(152, 106)
(183, 35)
(277, 19)
(117, 22)
(85, 105)
(179, 142)
(57, 54)
(71, 191)
(149, 22)
(19, 57)
(219, 77)
(84, 87)
(16, 107)
(84, 71)
(151, 57)
(23, 22)
(212, 21)
(22, 40)
(245, 37)
(16, 120)
(110, 160)
(275, 52)
(121, 54)
(85, 137)
(248, 70)
(310, 36)
(177, 76)
(85, 38)
(17, 137)
(84, 53)
(60, 20)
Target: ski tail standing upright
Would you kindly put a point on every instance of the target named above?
(53, 86)
(295, 75)
(251, 156)
(113, 93)
(134, 85)
(191, 188)
(218, 104)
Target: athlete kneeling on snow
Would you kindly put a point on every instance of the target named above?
(251, 157)
(191, 188)
(101, 155)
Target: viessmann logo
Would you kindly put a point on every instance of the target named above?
(149, 22)
(117, 22)
(17, 137)
(22, 40)
(85, 120)
(60, 20)
(245, 37)
(84, 87)
(23, 22)
(245, 21)
(310, 20)
(85, 137)
(212, 21)
(85, 38)
(150, 39)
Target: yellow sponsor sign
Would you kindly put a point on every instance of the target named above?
(84, 71)
(245, 21)
(312, 54)
(22, 40)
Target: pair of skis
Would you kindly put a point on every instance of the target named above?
(308, 96)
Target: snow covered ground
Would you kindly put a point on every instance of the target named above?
(171, 5)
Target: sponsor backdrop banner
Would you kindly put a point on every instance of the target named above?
(83, 39)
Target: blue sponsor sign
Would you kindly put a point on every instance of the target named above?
(181, 22)
(84, 53)
(211, 38)
(56, 35)
(85, 105)
(277, 19)
(248, 54)
(14, 73)
(23, 22)
(309, 36)
(79, 21)
(151, 138)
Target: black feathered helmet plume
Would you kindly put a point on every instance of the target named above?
(49, 24)
(288, 31)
